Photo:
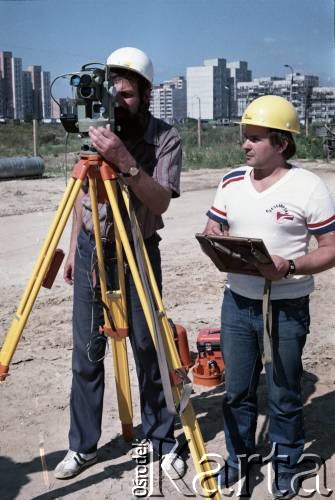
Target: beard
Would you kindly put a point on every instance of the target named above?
(130, 126)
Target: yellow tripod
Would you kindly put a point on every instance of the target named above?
(102, 186)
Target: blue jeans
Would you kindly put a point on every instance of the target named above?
(86, 401)
(242, 347)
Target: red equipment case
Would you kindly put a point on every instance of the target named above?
(209, 366)
(180, 338)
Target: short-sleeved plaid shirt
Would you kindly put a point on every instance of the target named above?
(159, 154)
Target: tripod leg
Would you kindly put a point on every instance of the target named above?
(118, 222)
(188, 419)
(42, 265)
(122, 370)
(116, 301)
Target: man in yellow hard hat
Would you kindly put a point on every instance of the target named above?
(284, 205)
(147, 152)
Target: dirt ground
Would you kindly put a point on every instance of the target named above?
(34, 414)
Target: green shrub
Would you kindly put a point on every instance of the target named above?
(220, 146)
(309, 147)
(48, 138)
(17, 140)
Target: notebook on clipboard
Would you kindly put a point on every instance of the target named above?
(234, 254)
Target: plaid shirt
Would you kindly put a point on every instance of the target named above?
(159, 154)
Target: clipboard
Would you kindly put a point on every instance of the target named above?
(234, 254)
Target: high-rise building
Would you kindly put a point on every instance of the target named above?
(2, 97)
(6, 104)
(46, 95)
(27, 86)
(168, 100)
(239, 72)
(17, 86)
(23, 94)
(36, 79)
(208, 90)
(55, 110)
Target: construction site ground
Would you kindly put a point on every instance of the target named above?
(34, 416)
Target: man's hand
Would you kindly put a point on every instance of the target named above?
(274, 271)
(69, 269)
(111, 148)
(213, 227)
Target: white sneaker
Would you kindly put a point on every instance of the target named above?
(173, 465)
(73, 463)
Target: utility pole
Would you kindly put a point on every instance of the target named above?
(199, 121)
(37, 114)
(228, 87)
(291, 85)
(35, 136)
(308, 95)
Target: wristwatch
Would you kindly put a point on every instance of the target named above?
(132, 172)
(291, 269)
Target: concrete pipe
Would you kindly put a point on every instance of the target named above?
(22, 166)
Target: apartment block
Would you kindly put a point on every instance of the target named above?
(27, 88)
(239, 72)
(46, 95)
(168, 100)
(36, 79)
(208, 90)
(6, 103)
(322, 105)
(55, 110)
(17, 87)
(2, 97)
(23, 94)
(295, 87)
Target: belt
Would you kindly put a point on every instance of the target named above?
(150, 240)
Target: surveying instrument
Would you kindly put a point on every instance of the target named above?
(95, 101)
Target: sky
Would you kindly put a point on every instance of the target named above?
(62, 35)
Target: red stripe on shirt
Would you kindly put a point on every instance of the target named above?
(232, 180)
(219, 211)
(323, 223)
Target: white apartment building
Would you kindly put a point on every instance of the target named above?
(295, 87)
(208, 90)
(17, 86)
(168, 100)
(322, 106)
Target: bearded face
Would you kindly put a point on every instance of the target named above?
(131, 111)
(130, 125)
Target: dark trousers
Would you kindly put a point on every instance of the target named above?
(242, 346)
(86, 403)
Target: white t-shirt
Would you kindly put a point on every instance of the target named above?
(284, 216)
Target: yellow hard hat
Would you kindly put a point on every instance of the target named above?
(272, 111)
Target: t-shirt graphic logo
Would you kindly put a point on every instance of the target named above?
(284, 215)
(280, 212)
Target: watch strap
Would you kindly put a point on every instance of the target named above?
(291, 268)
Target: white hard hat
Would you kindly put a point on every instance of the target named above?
(132, 59)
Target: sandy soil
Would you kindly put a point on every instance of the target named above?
(34, 413)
